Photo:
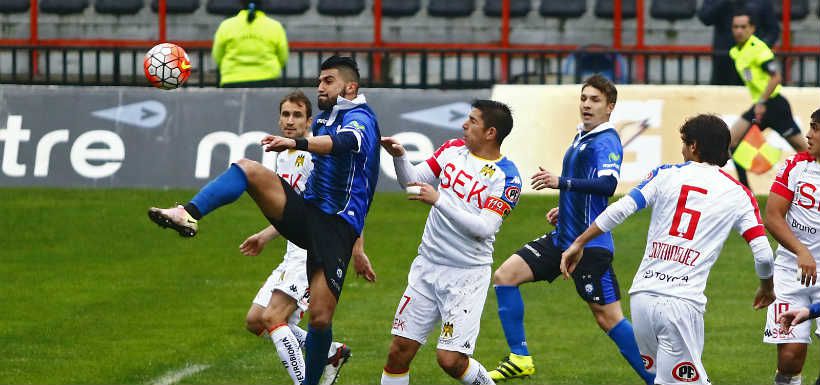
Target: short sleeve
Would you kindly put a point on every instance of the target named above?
(783, 185)
(645, 193)
(608, 155)
(504, 194)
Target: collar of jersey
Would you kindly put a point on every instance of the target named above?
(600, 128)
(483, 159)
(748, 42)
(344, 104)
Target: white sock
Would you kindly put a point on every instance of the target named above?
(395, 379)
(476, 375)
(287, 346)
(780, 379)
(333, 347)
(299, 333)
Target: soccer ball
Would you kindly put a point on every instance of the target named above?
(166, 66)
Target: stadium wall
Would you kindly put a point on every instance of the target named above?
(544, 125)
(140, 137)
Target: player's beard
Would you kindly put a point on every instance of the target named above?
(326, 104)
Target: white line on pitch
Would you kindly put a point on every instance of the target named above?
(176, 375)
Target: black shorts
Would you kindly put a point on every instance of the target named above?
(327, 238)
(594, 277)
(778, 116)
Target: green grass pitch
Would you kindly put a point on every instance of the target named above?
(91, 292)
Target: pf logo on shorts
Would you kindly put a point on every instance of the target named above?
(685, 372)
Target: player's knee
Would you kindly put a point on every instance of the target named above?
(399, 357)
(320, 319)
(453, 363)
(250, 167)
(272, 318)
(503, 276)
(254, 324)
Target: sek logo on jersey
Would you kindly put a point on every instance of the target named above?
(459, 184)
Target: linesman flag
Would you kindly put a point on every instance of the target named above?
(754, 153)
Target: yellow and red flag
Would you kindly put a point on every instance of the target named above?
(754, 153)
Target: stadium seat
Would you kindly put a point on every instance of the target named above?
(223, 7)
(14, 6)
(673, 10)
(451, 8)
(563, 9)
(118, 7)
(591, 59)
(63, 7)
(799, 9)
(605, 8)
(340, 7)
(176, 6)
(399, 8)
(285, 7)
(518, 8)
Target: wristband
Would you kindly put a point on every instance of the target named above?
(301, 144)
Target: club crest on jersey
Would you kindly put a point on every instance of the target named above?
(648, 362)
(685, 372)
(300, 160)
(447, 330)
(488, 170)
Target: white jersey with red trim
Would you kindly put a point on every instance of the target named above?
(474, 185)
(798, 180)
(694, 205)
(294, 166)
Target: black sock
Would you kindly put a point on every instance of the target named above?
(191, 209)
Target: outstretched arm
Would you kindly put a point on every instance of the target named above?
(255, 243)
(405, 171)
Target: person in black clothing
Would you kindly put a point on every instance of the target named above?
(719, 14)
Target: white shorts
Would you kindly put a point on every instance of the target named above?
(789, 294)
(455, 296)
(290, 277)
(669, 332)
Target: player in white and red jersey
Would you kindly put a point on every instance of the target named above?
(278, 306)
(694, 206)
(793, 219)
(477, 187)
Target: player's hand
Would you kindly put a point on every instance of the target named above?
(392, 146)
(793, 317)
(428, 193)
(253, 245)
(765, 294)
(807, 269)
(570, 259)
(543, 179)
(277, 143)
(760, 110)
(552, 216)
(362, 265)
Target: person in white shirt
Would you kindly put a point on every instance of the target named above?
(694, 206)
(477, 187)
(793, 219)
(280, 303)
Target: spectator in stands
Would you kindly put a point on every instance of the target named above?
(250, 49)
(719, 14)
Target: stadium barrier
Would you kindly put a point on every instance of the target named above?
(138, 137)
(544, 127)
(444, 68)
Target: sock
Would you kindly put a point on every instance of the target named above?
(389, 378)
(317, 344)
(334, 346)
(225, 189)
(511, 314)
(288, 349)
(782, 379)
(624, 337)
(299, 333)
(476, 374)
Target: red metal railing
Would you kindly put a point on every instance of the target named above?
(377, 42)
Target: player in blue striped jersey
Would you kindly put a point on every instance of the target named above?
(330, 217)
(590, 173)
